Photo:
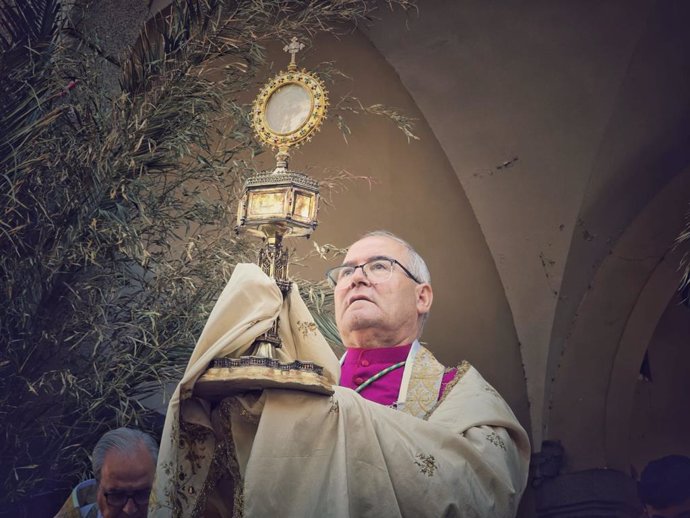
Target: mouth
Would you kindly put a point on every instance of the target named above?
(356, 298)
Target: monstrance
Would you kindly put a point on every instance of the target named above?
(276, 204)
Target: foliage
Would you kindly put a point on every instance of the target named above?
(116, 213)
(354, 105)
(683, 241)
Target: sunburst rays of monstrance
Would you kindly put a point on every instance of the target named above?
(276, 204)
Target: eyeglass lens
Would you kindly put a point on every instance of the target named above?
(376, 270)
(119, 499)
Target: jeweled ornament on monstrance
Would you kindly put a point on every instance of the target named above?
(276, 204)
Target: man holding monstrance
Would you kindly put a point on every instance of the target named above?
(259, 426)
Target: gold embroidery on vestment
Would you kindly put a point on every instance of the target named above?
(426, 463)
(496, 440)
(306, 328)
(424, 385)
(461, 370)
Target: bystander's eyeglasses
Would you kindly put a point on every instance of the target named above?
(119, 498)
(377, 270)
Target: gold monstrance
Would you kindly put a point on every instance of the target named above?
(276, 204)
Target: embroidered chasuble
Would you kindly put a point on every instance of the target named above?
(296, 454)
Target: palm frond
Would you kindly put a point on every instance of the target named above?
(683, 242)
(115, 215)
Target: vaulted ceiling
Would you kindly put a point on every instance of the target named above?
(563, 127)
(562, 121)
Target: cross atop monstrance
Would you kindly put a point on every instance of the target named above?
(293, 48)
(276, 204)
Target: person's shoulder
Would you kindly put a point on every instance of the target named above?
(85, 492)
(468, 374)
(81, 502)
(91, 511)
(461, 368)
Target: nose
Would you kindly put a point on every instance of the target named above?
(130, 507)
(358, 276)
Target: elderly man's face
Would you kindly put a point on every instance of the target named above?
(127, 477)
(385, 314)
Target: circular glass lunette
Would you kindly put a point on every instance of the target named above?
(288, 108)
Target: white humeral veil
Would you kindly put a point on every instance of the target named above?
(296, 454)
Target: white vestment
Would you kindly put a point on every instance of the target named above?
(296, 454)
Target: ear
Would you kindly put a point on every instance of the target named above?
(425, 297)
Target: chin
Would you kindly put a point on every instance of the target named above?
(360, 321)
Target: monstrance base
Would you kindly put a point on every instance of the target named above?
(227, 376)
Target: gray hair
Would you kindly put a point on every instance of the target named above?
(125, 440)
(417, 265)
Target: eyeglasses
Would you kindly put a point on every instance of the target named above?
(119, 498)
(377, 270)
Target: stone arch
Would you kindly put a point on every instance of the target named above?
(660, 288)
(607, 338)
